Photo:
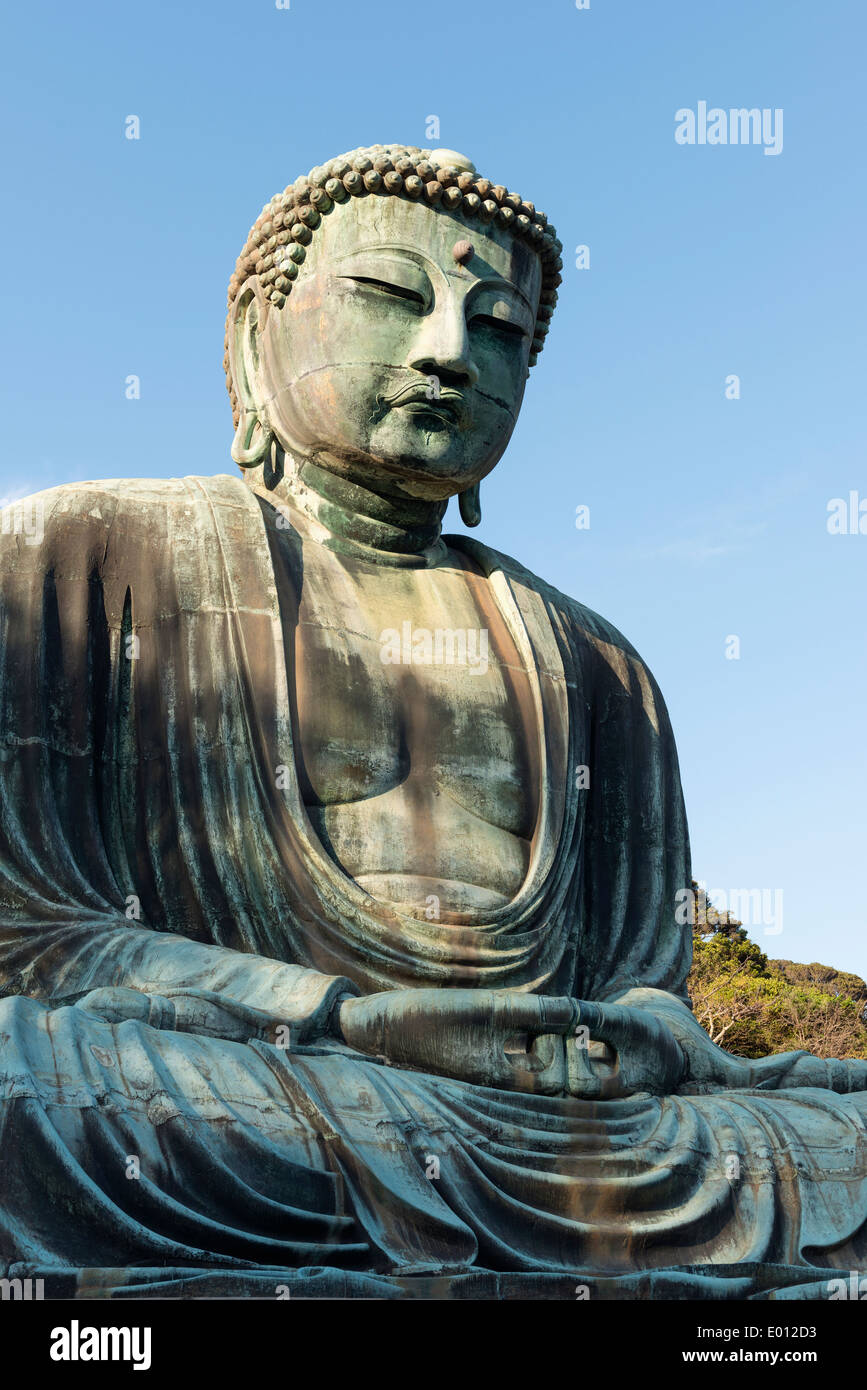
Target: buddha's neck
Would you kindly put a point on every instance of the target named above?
(354, 520)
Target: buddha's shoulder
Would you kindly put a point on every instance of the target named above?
(105, 502)
(583, 622)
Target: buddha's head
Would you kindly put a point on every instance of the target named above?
(383, 318)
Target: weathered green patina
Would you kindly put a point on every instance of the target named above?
(341, 861)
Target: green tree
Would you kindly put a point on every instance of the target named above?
(754, 1006)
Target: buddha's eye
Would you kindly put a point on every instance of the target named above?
(387, 287)
(505, 326)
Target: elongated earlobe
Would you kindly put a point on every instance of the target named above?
(274, 466)
(252, 440)
(471, 507)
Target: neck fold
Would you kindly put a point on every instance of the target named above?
(354, 520)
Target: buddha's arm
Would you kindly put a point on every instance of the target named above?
(68, 740)
(710, 1068)
(61, 963)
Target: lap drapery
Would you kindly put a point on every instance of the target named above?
(129, 1149)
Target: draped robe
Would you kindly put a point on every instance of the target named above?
(153, 836)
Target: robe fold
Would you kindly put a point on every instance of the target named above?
(153, 835)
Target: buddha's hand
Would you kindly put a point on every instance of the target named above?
(198, 1011)
(616, 1051)
(499, 1038)
(519, 1042)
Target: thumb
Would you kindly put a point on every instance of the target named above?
(647, 1051)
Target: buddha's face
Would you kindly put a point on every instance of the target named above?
(392, 361)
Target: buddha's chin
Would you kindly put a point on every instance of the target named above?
(439, 460)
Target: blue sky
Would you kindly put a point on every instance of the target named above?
(707, 515)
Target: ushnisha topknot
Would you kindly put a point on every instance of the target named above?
(276, 245)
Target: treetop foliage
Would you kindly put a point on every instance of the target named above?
(754, 1006)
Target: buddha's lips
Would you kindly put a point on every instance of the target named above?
(447, 402)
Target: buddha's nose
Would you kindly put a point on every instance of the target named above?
(442, 348)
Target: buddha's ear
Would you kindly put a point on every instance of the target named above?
(253, 436)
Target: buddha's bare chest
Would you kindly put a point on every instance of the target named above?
(408, 687)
